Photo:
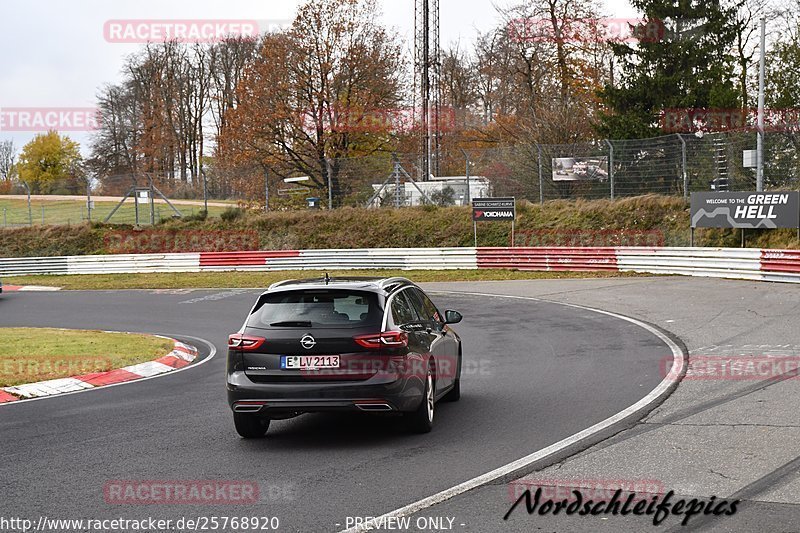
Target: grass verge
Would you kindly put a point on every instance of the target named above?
(28, 355)
(209, 280)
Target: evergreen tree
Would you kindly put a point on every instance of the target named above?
(681, 59)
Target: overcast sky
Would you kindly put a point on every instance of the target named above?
(54, 53)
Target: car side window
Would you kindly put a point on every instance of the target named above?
(425, 308)
(402, 310)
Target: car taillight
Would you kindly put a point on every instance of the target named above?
(389, 339)
(245, 343)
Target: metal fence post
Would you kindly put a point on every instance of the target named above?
(611, 166)
(152, 204)
(396, 185)
(468, 198)
(330, 186)
(135, 203)
(760, 137)
(541, 178)
(683, 166)
(205, 188)
(88, 199)
(30, 213)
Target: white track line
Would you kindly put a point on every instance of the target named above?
(678, 364)
(211, 354)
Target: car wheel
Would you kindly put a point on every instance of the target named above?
(421, 420)
(250, 426)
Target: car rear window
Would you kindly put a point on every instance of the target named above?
(317, 309)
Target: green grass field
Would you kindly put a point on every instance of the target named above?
(28, 355)
(14, 212)
(247, 280)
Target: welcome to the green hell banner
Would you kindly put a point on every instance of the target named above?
(748, 210)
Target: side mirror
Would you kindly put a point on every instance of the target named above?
(452, 317)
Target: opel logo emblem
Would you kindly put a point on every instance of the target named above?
(308, 342)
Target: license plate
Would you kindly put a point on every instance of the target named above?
(309, 362)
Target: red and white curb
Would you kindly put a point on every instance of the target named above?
(182, 355)
(29, 288)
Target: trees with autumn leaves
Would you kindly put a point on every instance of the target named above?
(51, 164)
(156, 121)
(331, 97)
(326, 90)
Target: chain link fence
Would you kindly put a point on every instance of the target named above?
(70, 203)
(675, 165)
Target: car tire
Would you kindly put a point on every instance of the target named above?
(421, 419)
(250, 426)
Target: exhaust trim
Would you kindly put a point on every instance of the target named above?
(248, 407)
(373, 407)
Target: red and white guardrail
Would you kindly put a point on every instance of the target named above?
(754, 264)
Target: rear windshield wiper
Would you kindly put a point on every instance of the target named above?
(291, 324)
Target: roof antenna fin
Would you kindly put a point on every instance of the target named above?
(327, 278)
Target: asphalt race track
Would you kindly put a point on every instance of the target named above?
(535, 373)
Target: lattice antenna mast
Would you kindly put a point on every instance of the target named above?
(427, 73)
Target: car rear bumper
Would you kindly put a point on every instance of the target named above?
(381, 393)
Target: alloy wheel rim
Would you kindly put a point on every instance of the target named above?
(429, 399)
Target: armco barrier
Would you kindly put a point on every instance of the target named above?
(781, 265)
(752, 264)
(576, 259)
(706, 262)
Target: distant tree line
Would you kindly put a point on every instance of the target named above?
(331, 97)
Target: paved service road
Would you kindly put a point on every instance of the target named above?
(535, 373)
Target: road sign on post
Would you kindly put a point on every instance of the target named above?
(493, 209)
(745, 210)
(748, 210)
